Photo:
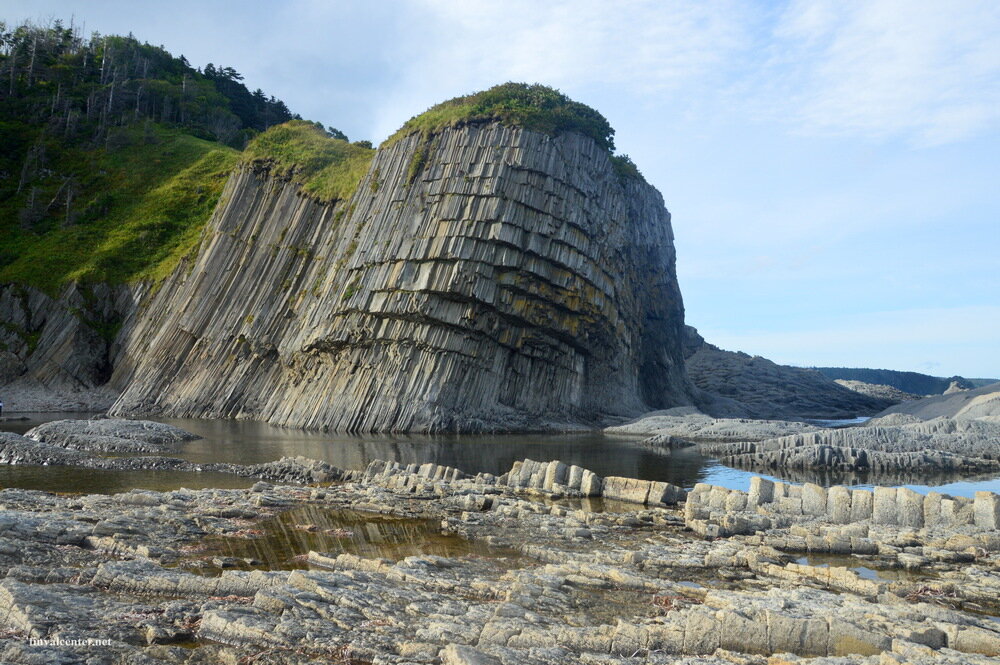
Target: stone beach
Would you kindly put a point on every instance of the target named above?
(568, 567)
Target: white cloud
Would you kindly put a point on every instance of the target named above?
(929, 71)
(645, 50)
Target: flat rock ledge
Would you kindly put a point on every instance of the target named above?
(727, 578)
(20, 450)
(686, 423)
(894, 444)
(111, 435)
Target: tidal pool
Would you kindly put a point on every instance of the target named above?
(281, 542)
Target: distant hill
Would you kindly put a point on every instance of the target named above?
(910, 382)
(740, 385)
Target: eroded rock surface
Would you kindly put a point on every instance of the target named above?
(58, 353)
(16, 449)
(690, 425)
(956, 445)
(973, 403)
(877, 390)
(592, 583)
(111, 435)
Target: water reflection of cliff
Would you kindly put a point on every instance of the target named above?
(252, 442)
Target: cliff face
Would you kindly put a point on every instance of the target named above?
(489, 278)
(58, 353)
(739, 385)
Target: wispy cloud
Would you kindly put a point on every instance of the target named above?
(927, 71)
(637, 48)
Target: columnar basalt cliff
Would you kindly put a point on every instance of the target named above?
(483, 277)
(58, 353)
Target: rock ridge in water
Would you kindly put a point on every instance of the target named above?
(486, 279)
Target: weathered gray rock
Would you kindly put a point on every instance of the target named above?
(59, 352)
(839, 505)
(665, 442)
(878, 391)
(910, 506)
(722, 512)
(111, 435)
(633, 490)
(987, 510)
(684, 425)
(973, 403)
(16, 449)
(884, 509)
(951, 445)
(590, 588)
(739, 385)
(517, 282)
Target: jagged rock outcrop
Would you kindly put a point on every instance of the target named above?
(740, 385)
(943, 444)
(910, 382)
(58, 353)
(489, 278)
(877, 390)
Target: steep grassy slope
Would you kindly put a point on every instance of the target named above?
(327, 168)
(114, 153)
(136, 210)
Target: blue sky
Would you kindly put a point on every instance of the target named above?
(832, 167)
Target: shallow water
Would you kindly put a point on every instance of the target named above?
(865, 568)
(91, 481)
(280, 542)
(246, 442)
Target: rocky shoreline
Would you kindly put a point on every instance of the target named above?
(604, 570)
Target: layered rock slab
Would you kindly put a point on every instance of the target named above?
(513, 281)
(592, 587)
(111, 435)
(958, 445)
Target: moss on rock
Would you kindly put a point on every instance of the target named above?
(327, 168)
(535, 107)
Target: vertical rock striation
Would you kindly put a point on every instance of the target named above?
(58, 353)
(484, 278)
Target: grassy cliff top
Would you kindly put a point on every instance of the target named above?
(536, 107)
(327, 168)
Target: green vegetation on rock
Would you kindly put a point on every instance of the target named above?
(115, 153)
(535, 107)
(625, 168)
(136, 211)
(326, 168)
